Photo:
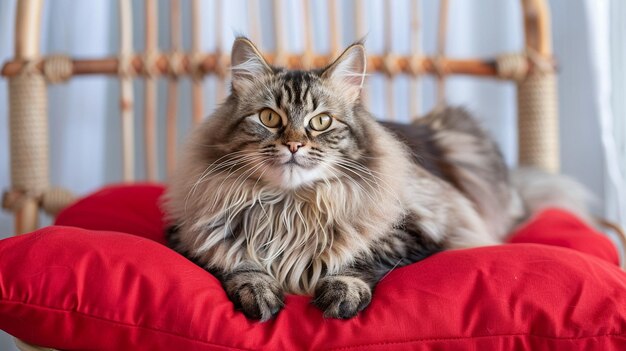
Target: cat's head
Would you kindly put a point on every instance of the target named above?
(296, 128)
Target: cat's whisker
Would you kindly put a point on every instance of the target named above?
(230, 172)
(367, 181)
(249, 173)
(230, 193)
(211, 145)
(239, 156)
(376, 178)
(353, 181)
(362, 167)
(211, 167)
(259, 199)
(350, 179)
(392, 268)
(233, 161)
(241, 196)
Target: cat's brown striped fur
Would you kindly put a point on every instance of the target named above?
(358, 202)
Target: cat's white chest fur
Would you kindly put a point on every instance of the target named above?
(297, 237)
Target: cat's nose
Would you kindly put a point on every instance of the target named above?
(293, 146)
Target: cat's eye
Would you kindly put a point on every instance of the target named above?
(320, 122)
(270, 118)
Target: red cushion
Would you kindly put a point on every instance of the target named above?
(98, 289)
(126, 209)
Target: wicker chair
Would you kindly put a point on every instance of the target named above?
(29, 73)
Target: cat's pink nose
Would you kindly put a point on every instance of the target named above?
(293, 146)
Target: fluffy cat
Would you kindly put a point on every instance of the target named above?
(291, 186)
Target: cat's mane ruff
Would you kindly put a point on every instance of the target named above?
(299, 236)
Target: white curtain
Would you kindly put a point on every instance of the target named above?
(614, 127)
(84, 117)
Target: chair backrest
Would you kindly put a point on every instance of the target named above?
(29, 72)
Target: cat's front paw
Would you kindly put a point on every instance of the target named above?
(256, 294)
(342, 296)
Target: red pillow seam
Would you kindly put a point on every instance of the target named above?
(190, 338)
(382, 343)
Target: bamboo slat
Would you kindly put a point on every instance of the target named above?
(28, 29)
(335, 27)
(390, 67)
(442, 32)
(361, 31)
(125, 67)
(150, 89)
(537, 26)
(359, 19)
(415, 51)
(308, 34)
(254, 23)
(221, 56)
(196, 84)
(279, 33)
(172, 89)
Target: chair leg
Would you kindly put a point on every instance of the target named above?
(26, 218)
(27, 347)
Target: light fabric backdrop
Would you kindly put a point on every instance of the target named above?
(84, 117)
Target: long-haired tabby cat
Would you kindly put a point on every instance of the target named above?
(291, 186)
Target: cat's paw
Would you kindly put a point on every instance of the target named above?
(342, 296)
(256, 294)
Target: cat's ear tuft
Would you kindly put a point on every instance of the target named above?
(349, 70)
(247, 64)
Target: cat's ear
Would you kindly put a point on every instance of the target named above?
(349, 70)
(247, 64)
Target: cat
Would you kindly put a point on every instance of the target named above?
(291, 186)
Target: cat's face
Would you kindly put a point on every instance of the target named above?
(297, 127)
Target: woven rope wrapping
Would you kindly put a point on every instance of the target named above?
(390, 65)
(415, 65)
(125, 68)
(512, 66)
(150, 68)
(195, 66)
(175, 67)
(538, 125)
(222, 66)
(29, 132)
(51, 200)
(57, 68)
(55, 199)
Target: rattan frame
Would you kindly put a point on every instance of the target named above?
(29, 72)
